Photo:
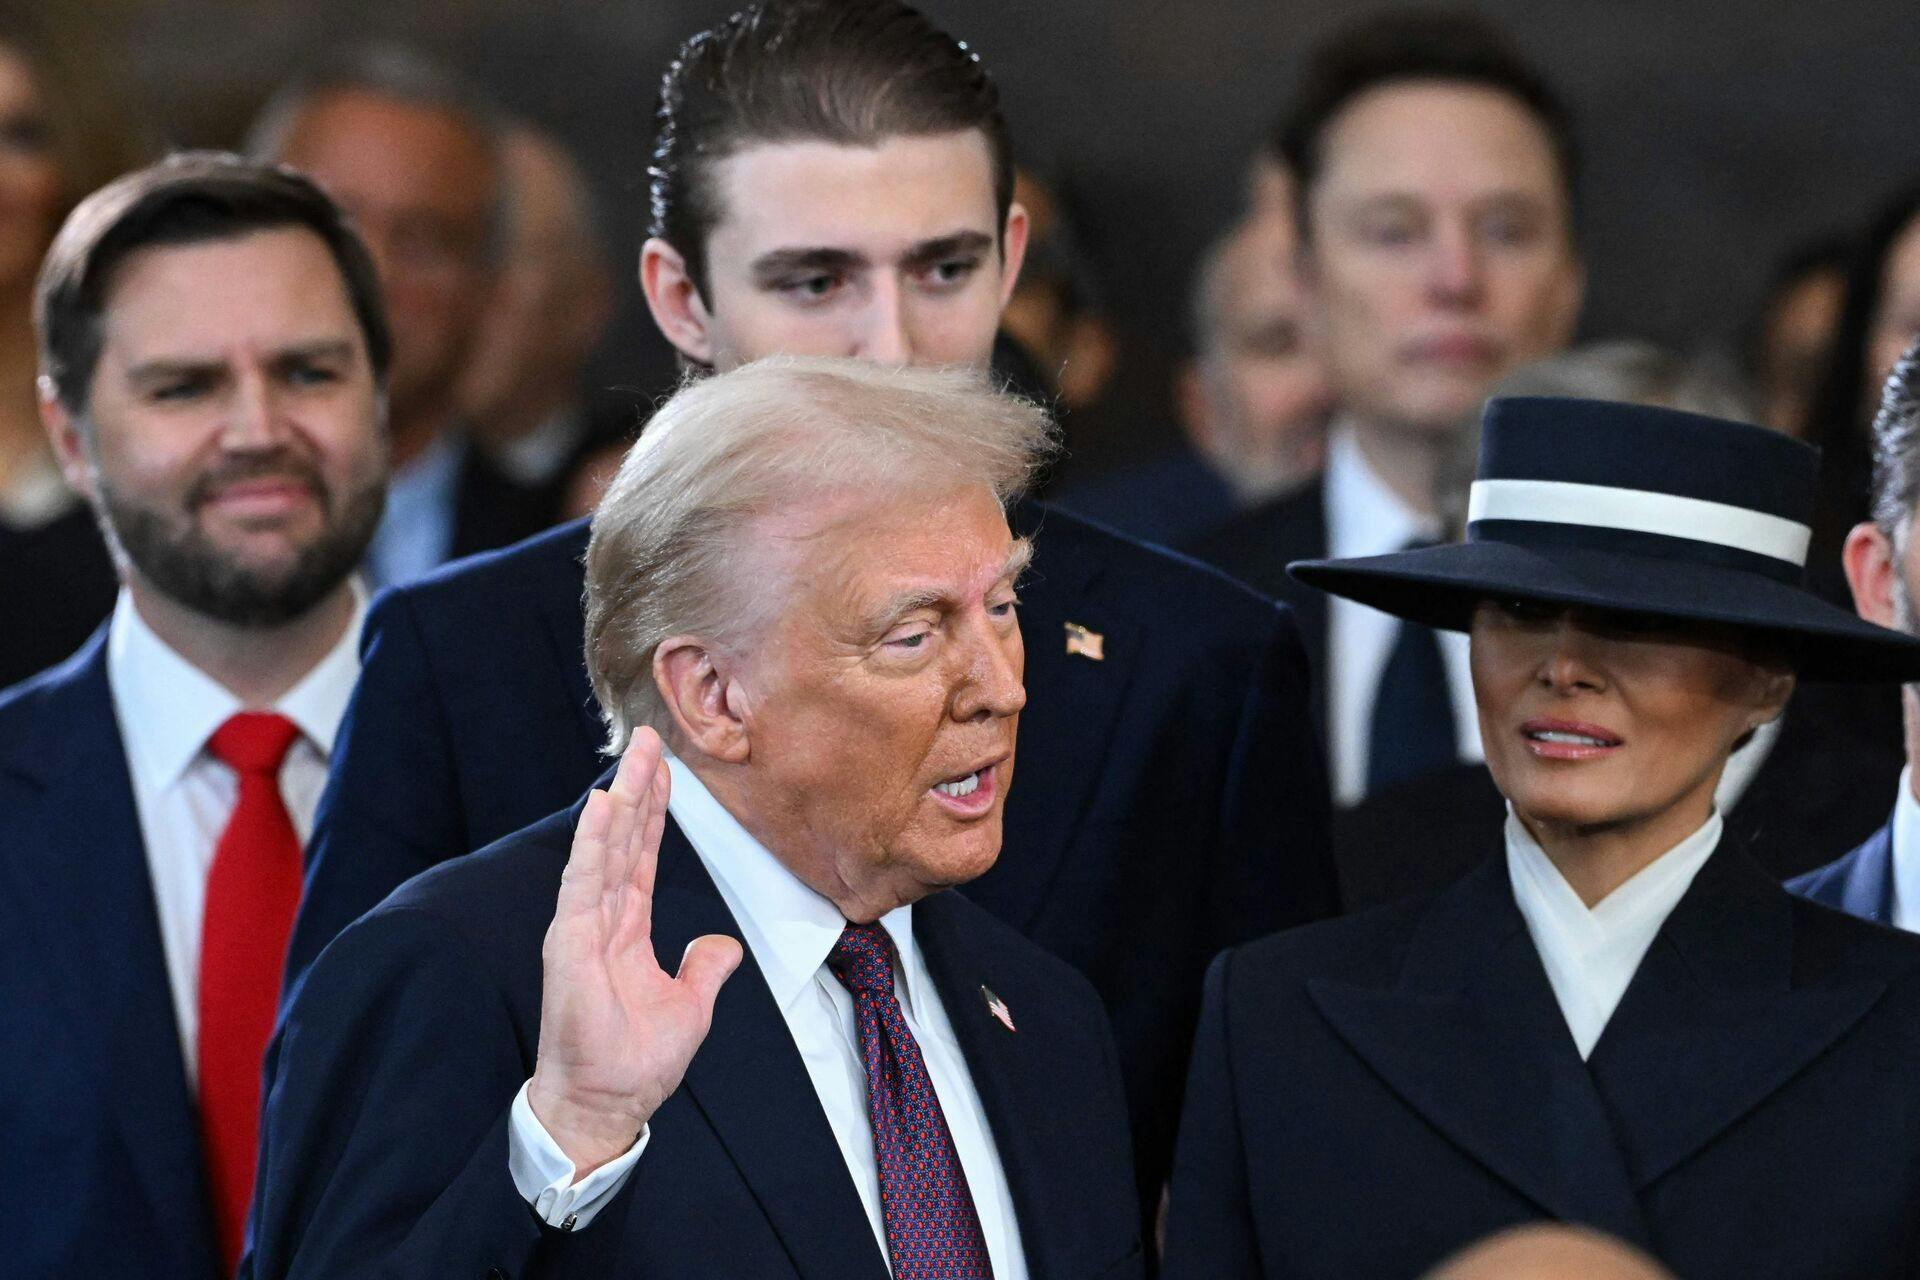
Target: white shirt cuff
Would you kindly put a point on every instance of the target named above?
(544, 1176)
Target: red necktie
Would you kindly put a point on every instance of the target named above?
(252, 889)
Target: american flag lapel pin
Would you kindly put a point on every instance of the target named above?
(1086, 643)
(997, 1007)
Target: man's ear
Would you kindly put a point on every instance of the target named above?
(1868, 560)
(1013, 249)
(678, 309)
(704, 697)
(64, 433)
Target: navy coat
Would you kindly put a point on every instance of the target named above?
(1859, 882)
(101, 1171)
(1169, 799)
(1371, 1094)
(384, 1148)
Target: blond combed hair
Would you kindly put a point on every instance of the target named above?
(671, 552)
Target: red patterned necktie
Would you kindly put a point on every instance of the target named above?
(933, 1232)
(252, 890)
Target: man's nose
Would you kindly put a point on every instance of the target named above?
(254, 419)
(887, 335)
(992, 684)
(1456, 271)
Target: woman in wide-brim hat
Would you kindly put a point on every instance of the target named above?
(1619, 1019)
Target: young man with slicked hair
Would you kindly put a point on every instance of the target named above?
(834, 179)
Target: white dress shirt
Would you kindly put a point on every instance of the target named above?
(790, 930)
(167, 708)
(1906, 857)
(1365, 517)
(1590, 955)
(415, 533)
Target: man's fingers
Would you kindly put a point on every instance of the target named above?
(585, 875)
(709, 961)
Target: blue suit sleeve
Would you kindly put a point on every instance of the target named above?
(384, 1137)
(391, 805)
(1210, 1218)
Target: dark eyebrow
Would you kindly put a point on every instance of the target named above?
(166, 368)
(959, 244)
(771, 266)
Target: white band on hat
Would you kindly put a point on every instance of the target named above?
(1639, 511)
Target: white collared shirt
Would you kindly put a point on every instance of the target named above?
(1590, 955)
(1906, 857)
(790, 930)
(1365, 517)
(167, 708)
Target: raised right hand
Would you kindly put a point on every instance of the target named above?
(616, 1032)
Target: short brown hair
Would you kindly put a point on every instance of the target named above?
(852, 72)
(190, 198)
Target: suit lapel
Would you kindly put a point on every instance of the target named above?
(1016, 1076)
(81, 876)
(1472, 1038)
(750, 1084)
(1866, 890)
(1712, 1023)
(1072, 703)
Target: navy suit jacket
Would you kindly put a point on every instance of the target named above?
(1169, 800)
(384, 1147)
(1859, 882)
(1370, 1094)
(100, 1159)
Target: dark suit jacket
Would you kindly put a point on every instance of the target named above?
(1170, 799)
(100, 1164)
(59, 584)
(1257, 547)
(1823, 785)
(1372, 1093)
(490, 510)
(1175, 500)
(384, 1148)
(1859, 882)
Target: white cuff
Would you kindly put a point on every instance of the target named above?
(544, 1176)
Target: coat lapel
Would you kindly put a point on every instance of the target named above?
(1472, 1038)
(1712, 1023)
(1867, 888)
(80, 875)
(1072, 702)
(750, 1084)
(1018, 1079)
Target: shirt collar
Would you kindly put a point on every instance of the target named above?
(790, 928)
(168, 708)
(1648, 896)
(1906, 852)
(1365, 517)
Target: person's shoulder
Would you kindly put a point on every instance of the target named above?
(544, 564)
(29, 708)
(1367, 949)
(1200, 593)
(1832, 946)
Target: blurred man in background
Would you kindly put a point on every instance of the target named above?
(1253, 398)
(414, 157)
(522, 390)
(1436, 182)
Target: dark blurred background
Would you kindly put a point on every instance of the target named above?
(1716, 135)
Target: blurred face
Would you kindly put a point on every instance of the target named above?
(1602, 722)
(1793, 348)
(31, 184)
(887, 253)
(1896, 325)
(880, 707)
(1263, 390)
(1441, 252)
(236, 450)
(420, 185)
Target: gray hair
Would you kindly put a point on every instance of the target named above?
(1626, 370)
(1896, 451)
(391, 71)
(669, 550)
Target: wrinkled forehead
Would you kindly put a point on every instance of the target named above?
(877, 201)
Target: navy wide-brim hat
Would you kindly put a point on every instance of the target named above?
(1638, 510)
